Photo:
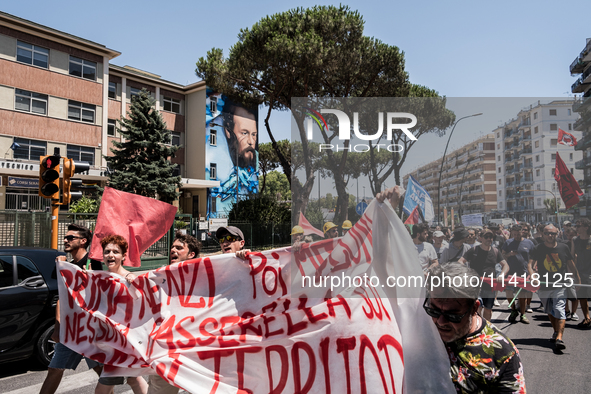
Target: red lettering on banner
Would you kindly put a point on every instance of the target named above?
(140, 284)
(264, 280)
(371, 311)
(246, 324)
(366, 343)
(308, 311)
(295, 361)
(90, 328)
(383, 343)
(184, 294)
(269, 319)
(233, 320)
(70, 327)
(122, 297)
(343, 346)
(172, 371)
(240, 363)
(255, 271)
(191, 339)
(78, 326)
(203, 332)
(68, 278)
(98, 287)
(284, 368)
(217, 357)
(325, 365)
(292, 328)
(164, 331)
(380, 301)
(330, 303)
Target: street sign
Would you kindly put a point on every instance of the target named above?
(214, 224)
(360, 208)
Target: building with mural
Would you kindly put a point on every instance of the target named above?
(61, 91)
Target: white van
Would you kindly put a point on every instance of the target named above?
(506, 222)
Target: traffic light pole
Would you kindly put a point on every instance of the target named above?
(55, 211)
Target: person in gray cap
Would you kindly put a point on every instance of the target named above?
(231, 240)
(439, 243)
(457, 247)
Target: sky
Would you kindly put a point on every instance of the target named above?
(459, 48)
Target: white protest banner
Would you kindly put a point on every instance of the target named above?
(222, 325)
(474, 219)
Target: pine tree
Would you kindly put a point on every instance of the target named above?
(141, 164)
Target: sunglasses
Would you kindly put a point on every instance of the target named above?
(229, 238)
(70, 238)
(450, 317)
(549, 233)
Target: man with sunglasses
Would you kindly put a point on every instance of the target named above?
(468, 338)
(76, 243)
(232, 241)
(557, 270)
(483, 259)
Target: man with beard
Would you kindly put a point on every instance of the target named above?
(240, 128)
(185, 247)
(468, 338)
(439, 243)
(516, 251)
(427, 254)
(76, 243)
(581, 250)
(557, 270)
(457, 247)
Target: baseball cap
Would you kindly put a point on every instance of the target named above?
(438, 233)
(230, 230)
(460, 234)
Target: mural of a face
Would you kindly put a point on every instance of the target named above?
(242, 139)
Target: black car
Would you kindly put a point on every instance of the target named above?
(28, 297)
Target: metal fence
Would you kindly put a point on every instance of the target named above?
(22, 228)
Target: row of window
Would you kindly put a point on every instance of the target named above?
(32, 149)
(168, 103)
(37, 103)
(39, 56)
(553, 127)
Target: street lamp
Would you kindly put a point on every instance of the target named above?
(443, 161)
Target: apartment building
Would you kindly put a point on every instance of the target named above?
(525, 150)
(467, 180)
(582, 66)
(62, 91)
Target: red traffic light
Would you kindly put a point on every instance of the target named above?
(49, 176)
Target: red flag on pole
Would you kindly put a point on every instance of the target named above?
(308, 228)
(140, 220)
(565, 138)
(568, 186)
(414, 216)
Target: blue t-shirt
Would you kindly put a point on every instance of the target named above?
(518, 263)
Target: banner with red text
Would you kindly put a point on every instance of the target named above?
(221, 324)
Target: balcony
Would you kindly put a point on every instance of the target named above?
(581, 104)
(580, 85)
(578, 65)
(582, 164)
(528, 164)
(526, 151)
(525, 123)
(508, 159)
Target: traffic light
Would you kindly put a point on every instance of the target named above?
(49, 176)
(72, 167)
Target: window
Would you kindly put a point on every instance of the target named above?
(498, 146)
(500, 193)
(81, 111)
(172, 105)
(6, 272)
(537, 144)
(570, 126)
(536, 130)
(570, 156)
(539, 200)
(113, 90)
(552, 112)
(134, 92)
(213, 204)
(569, 112)
(81, 153)
(111, 127)
(501, 205)
(25, 269)
(213, 104)
(538, 172)
(82, 68)
(553, 156)
(29, 149)
(572, 170)
(32, 54)
(535, 115)
(213, 137)
(538, 187)
(499, 158)
(553, 127)
(30, 102)
(537, 158)
(553, 142)
(212, 171)
(499, 181)
(175, 138)
(499, 170)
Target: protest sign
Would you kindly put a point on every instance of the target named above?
(417, 195)
(221, 325)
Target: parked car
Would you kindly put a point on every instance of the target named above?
(28, 298)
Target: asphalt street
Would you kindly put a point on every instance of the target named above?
(545, 370)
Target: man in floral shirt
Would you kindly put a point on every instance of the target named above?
(482, 358)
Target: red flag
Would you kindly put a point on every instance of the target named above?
(568, 186)
(565, 138)
(308, 228)
(414, 216)
(140, 220)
